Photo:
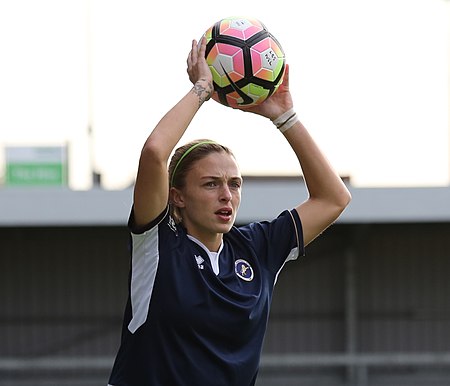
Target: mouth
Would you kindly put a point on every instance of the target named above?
(224, 214)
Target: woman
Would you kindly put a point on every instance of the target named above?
(200, 288)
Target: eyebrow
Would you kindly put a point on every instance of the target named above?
(215, 178)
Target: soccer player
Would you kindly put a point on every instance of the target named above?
(200, 288)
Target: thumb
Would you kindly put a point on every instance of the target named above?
(285, 82)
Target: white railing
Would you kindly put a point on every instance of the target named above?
(358, 364)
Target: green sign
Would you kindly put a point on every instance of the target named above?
(36, 166)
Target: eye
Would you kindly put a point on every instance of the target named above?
(211, 184)
(235, 184)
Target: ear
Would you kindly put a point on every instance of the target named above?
(176, 197)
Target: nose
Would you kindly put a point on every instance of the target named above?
(225, 193)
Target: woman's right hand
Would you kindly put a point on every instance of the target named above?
(197, 68)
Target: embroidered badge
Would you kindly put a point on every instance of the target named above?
(243, 269)
(199, 261)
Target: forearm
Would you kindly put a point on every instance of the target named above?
(151, 189)
(322, 181)
(172, 126)
(152, 185)
(328, 195)
(175, 122)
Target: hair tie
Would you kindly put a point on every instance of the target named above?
(184, 155)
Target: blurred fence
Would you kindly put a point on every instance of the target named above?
(369, 305)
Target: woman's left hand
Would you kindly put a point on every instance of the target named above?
(276, 104)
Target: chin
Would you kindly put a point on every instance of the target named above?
(225, 228)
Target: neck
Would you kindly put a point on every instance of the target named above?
(212, 244)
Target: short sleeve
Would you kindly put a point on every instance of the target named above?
(276, 242)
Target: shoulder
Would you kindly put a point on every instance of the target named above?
(163, 221)
(284, 231)
(286, 219)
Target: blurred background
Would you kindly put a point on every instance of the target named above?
(82, 83)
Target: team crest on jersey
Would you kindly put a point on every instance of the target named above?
(243, 269)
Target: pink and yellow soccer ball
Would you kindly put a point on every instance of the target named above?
(246, 61)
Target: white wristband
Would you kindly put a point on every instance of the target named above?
(286, 120)
(283, 117)
(289, 123)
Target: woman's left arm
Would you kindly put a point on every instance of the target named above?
(328, 195)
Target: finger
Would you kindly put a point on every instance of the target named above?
(286, 77)
(194, 51)
(189, 58)
(202, 47)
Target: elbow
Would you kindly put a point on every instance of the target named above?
(336, 203)
(346, 198)
(342, 200)
(153, 152)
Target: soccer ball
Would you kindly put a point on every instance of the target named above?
(246, 61)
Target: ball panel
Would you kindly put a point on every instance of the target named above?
(268, 55)
(225, 61)
(241, 28)
(257, 92)
(208, 34)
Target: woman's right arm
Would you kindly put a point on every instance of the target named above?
(151, 190)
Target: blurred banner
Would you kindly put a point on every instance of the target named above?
(36, 165)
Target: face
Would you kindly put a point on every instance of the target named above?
(210, 198)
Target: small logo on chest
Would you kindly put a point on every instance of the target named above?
(172, 225)
(200, 260)
(243, 269)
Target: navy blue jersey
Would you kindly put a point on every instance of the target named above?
(185, 325)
